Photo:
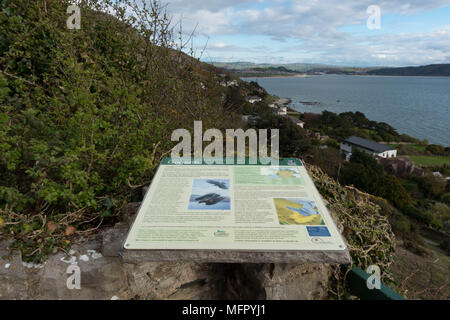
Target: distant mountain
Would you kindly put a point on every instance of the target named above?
(437, 70)
(299, 67)
(249, 69)
(243, 69)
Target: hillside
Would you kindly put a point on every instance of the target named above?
(86, 115)
(247, 69)
(435, 70)
(298, 67)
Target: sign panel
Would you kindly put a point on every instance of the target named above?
(233, 207)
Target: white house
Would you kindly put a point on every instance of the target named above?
(298, 122)
(437, 174)
(281, 111)
(374, 148)
(254, 99)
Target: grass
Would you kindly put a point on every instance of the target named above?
(430, 161)
(410, 148)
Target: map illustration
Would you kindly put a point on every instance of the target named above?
(277, 173)
(297, 211)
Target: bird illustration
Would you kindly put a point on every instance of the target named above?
(221, 185)
(210, 199)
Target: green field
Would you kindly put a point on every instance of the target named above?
(411, 148)
(430, 161)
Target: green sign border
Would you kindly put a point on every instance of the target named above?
(293, 162)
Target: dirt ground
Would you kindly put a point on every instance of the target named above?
(422, 277)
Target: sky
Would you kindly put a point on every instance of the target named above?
(332, 32)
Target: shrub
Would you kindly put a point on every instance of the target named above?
(419, 215)
(368, 233)
(445, 245)
(446, 199)
(87, 114)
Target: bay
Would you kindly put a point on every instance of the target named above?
(417, 106)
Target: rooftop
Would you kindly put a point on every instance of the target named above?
(296, 121)
(368, 144)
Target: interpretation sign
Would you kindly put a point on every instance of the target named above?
(233, 207)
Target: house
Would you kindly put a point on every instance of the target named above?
(254, 99)
(437, 174)
(250, 119)
(232, 83)
(281, 111)
(374, 148)
(298, 122)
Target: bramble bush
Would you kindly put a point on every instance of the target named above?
(367, 230)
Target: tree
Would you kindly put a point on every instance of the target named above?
(446, 199)
(329, 160)
(391, 189)
(365, 173)
(432, 187)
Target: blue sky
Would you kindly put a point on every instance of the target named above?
(333, 32)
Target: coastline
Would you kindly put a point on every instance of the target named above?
(278, 76)
(345, 103)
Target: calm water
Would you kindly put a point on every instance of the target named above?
(417, 106)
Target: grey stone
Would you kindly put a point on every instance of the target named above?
(104, 275)
(101, 277)
(279, 281)
(169, 280)
(237, 256)
(5, 243)
(112, 240)
(12, 277)
(129, 212)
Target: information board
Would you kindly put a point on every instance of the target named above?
(233, 207)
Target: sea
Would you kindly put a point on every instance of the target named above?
(417, 106)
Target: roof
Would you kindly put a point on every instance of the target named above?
(368, 144)
(254, 98)
(296, 121)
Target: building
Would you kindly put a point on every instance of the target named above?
(254, 99)
(232, 83)
(437, 174)
(250, 119)
(281, 111)
(298, 122)
(374, 148)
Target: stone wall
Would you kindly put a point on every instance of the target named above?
(105, 276)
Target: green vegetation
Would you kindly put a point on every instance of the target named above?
(264, 72)
(365, 173)
(430, 161)
(425, 155)
(344, 125)
(435, 70)
(87, 114)
(367, 230)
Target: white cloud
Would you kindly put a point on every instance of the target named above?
(312, 30)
